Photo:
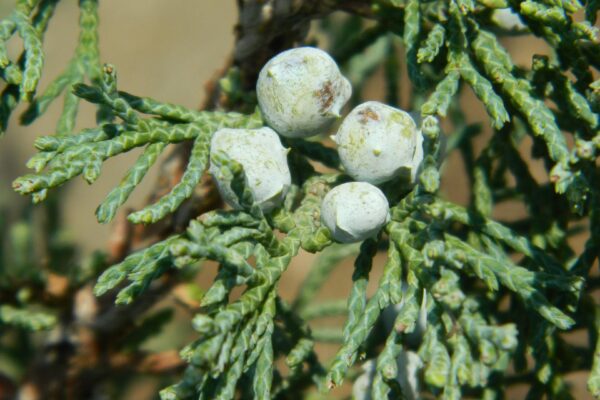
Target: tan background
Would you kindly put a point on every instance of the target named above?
(165, 49)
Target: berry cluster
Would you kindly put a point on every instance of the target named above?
(301, 93)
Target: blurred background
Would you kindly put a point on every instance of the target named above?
(162, 49)
(168, 50)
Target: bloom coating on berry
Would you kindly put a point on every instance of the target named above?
(508, 19)
(377, 142)
(354, 211)
(264, 160)
(301, 92)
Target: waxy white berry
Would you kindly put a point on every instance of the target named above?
(354, 211)
(377, 142)
(264, 160)
(301, 92)
(508, 19)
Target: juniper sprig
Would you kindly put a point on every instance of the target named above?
(465, 304)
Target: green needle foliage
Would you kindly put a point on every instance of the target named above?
(465, 305)
(30, 19)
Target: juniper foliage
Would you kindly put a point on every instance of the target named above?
(465, 306)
